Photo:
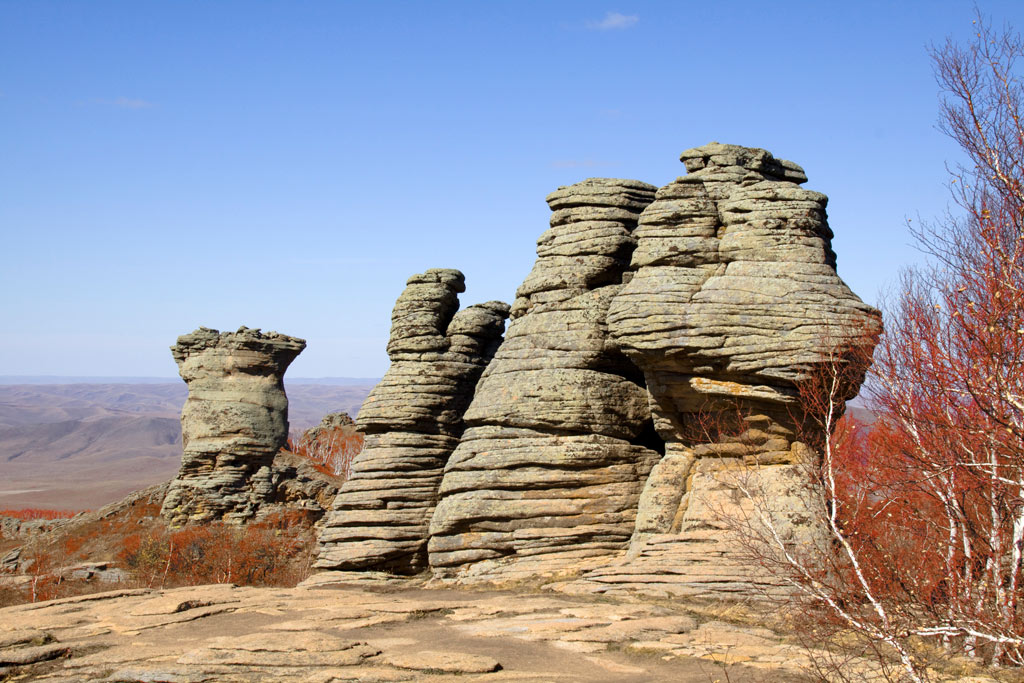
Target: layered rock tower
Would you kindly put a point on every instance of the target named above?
(234, 422)
(734, 303)
(559, 437)
(644, 400)
(412, 421)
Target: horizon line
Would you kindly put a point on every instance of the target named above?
(138, 379)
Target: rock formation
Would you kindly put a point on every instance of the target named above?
(643, 401)
(412, 421)
(330, 424)
(559, 438)
(733, 303)
(234, 422)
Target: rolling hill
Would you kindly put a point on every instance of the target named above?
(76, 446)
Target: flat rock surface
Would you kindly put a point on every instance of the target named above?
(380, 631)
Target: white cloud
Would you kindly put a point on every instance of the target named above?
(613, 21)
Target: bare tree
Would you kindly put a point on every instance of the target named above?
(925, 510)
(331, 448)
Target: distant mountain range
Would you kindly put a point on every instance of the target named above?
(83, 444)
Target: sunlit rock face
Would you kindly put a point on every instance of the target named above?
(559, 437)
(643, 405)
(412, 421)
(234, 422)
(733, 303)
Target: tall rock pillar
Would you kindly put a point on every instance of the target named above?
(234, 422)
(559, 438)
(733, 303)
(412, 421)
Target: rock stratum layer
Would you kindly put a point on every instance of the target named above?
(642, 404)
(234, 422)
(412, 421)
(734, 303)
(558, 439)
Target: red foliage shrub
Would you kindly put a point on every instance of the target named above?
(892, 525)
(274, 552)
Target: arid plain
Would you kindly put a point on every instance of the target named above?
(83, 445)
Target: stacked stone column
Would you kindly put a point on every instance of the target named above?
(734, 303)
(412, 421)
(559, 438)
(235, 420)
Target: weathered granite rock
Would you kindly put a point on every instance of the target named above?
(331, 421)
(412, 421)
(299, 485)
(234, 422)
(733, 302)
(12, 527)
(444, 662)
(373, 632)
(643, 406)
(559, 437)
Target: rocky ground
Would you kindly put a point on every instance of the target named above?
(381, 630)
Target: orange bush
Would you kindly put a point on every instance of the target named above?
(48, 567)
(274, 552)
(893, 525)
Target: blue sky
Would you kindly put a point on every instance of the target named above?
(289, 165)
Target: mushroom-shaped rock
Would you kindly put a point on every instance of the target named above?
(734, 303)
(235, 420)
